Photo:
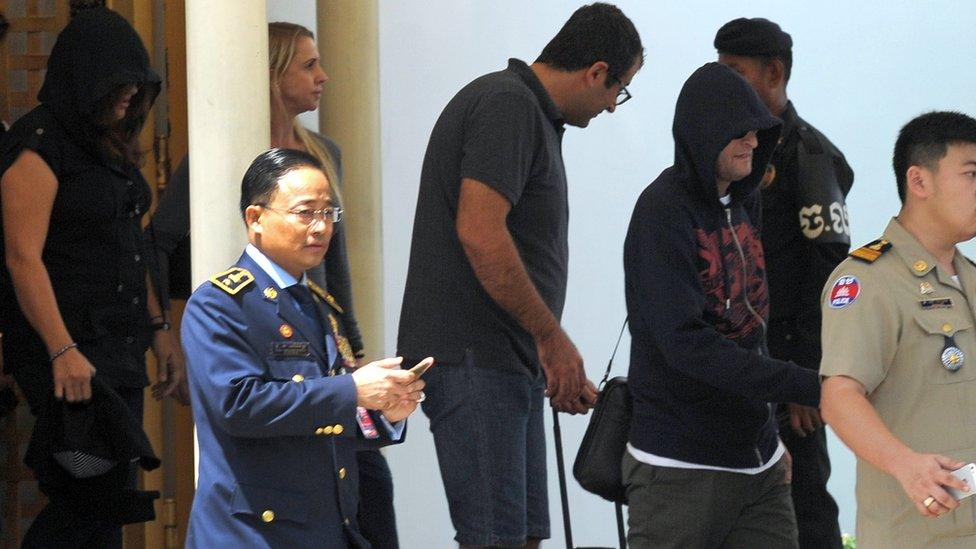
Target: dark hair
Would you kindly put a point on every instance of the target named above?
(77, 6)
(120, 139)
(596, 32)
(925, 141)
(260, 181)
(4, 26)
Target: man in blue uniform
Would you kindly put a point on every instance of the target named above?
(805, 234)
(277, 427)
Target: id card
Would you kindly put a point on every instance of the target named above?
(366, 424)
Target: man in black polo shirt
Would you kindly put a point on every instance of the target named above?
(487, 277)
(805, 234)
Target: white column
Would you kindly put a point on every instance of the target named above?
(229, 121)
(348, 40)
(229, 124)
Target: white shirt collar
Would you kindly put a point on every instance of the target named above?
(280, 276)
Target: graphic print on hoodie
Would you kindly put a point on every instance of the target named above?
(696, 300)
(723, 281)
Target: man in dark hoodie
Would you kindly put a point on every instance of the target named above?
(805, 235)
(705, 466)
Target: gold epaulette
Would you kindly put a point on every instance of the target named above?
(326, 296)
(871, 252)
(232, 280)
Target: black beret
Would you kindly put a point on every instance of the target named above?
(752, 38)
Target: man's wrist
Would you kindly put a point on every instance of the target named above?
(547, 331)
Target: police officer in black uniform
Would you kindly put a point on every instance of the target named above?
(805, 234)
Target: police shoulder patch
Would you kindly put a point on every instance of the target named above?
(232, 280)
(869, 253)
(325, 296)
(844, 292)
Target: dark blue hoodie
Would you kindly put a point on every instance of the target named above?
(696, 292)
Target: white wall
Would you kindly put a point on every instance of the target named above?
(861, 71)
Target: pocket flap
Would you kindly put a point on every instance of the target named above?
(942, 324)
(294, 370)
(270, 504)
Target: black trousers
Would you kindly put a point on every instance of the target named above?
(816, 510)
(377, 521)
(58, 525)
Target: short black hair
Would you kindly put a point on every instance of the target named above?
(925, 141)
(260, 181)
(596, 32)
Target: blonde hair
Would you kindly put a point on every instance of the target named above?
(282, 43)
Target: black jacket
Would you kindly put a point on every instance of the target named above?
(805, 234)
(103, 428)
(696, 292)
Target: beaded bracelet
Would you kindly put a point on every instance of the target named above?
(164, 326)
(63, 350)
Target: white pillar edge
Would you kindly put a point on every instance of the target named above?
(229, 124)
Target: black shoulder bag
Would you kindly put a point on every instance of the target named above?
(597, 465)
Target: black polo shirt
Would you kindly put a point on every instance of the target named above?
(503, 130)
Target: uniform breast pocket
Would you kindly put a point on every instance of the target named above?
(947, 347)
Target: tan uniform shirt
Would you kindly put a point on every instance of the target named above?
(888, 324)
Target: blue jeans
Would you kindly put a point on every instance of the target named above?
(491, 447)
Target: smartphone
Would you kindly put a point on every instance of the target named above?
(968, 473)
(422, 366)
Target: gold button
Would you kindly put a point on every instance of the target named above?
(920, 265)
(327, 430)
(319, 431)
(267, 516)
(337, 430)
(342, 472)
(298, 378)
(947, 327)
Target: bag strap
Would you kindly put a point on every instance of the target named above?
(561, 467)
(606, 374)
(621, 531)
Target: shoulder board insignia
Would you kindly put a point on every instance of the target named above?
(871, 252)
(232, 280)
(325, 296)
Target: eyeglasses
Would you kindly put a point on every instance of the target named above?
(623, 95)
(307, 216)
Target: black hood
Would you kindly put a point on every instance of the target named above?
(715, 106)
(95, 54)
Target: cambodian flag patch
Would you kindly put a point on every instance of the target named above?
(844, 292)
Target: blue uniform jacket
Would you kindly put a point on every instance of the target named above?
(277, 432)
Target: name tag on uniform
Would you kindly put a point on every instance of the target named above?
(940, 303)
(290, 349)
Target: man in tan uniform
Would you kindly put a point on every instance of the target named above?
(899, 347)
